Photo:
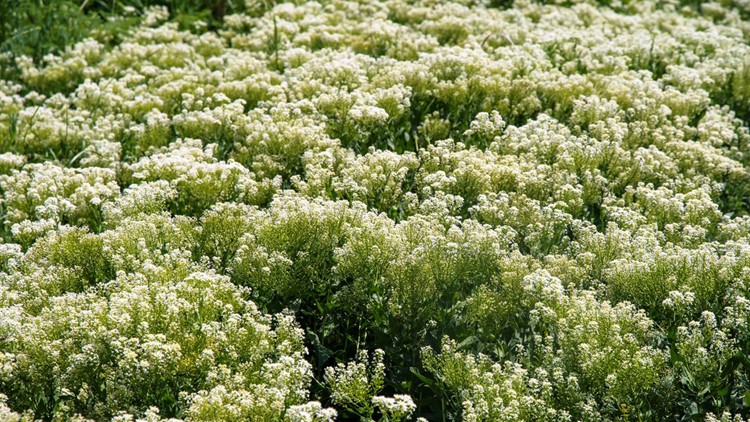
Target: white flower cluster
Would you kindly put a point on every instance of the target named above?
(554, 195)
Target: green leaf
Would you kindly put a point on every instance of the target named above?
(468, 342)
(428, 382)
(723, 392)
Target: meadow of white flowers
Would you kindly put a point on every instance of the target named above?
(383, 210)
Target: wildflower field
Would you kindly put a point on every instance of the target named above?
(399, 210)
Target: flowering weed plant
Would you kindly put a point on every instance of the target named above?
(379, 210)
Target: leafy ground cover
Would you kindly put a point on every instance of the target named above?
(365, 210)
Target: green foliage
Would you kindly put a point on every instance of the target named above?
(530, 210)
(36, 28)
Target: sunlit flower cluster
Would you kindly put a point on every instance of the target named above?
(387, 210)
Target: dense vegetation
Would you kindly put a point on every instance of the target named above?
(355, 209)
